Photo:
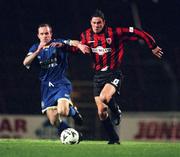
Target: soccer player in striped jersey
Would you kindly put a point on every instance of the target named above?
(105, 44)
(55, 87)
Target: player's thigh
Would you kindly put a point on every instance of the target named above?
(63, 107)
(52, 115)
(107, 92)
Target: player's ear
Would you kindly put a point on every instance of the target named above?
(38, 35)
(90, 21)
(104, 22)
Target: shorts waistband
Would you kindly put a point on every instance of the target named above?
(108, 71)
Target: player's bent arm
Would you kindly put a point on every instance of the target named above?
(29, 58)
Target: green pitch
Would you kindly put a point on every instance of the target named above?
(50, 148)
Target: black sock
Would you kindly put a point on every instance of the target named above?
(117, 99)
(113, 136)
(113, 106)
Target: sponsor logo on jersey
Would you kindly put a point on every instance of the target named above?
(100, 50)
(66, 95)
(109, 40)
(91, 41)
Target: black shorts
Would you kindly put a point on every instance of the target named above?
(101, 78)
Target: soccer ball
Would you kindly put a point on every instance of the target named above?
(69, 136)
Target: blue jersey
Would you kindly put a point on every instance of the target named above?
(53, 64)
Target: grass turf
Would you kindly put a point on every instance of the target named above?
(53, 148)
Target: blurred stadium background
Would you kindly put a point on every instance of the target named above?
(151, 89)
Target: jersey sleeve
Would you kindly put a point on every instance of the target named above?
(63, 41)
(132, 33)
(67, 45)
(32, 49)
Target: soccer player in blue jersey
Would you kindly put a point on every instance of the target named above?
(55, 87)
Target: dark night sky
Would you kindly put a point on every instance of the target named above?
(19, 89)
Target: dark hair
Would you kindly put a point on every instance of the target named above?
(98, 13)
(45, 25)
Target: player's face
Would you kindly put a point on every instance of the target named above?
(97, 24)
(44, 34)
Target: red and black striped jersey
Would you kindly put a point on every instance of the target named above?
(107, 46)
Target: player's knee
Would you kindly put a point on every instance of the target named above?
(103, 114)
(63, 111)
(105, 97)
(52, 116)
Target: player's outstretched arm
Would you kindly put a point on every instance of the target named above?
(156, 50)
(84, 48)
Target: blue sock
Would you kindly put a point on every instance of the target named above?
(72, 111)
(62, 126)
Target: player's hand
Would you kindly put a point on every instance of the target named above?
(56, 44)
(157, 52)
(41, 46)
(84, 48)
